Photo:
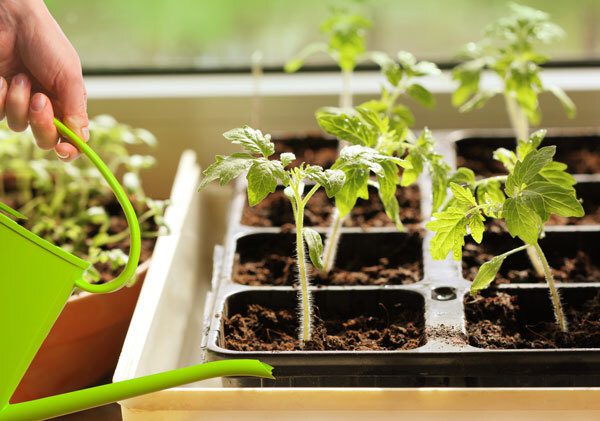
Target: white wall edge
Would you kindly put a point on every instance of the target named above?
(301, 84)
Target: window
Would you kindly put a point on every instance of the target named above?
(223, 34)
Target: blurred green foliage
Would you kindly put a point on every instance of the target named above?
(224, 33)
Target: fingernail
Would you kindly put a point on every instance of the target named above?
(20, 79)
(38, 102)
(65, 156)
(86, 133)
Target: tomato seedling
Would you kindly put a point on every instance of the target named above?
(509, 49)
(263, 175)
(346, 45)
(535, 188)
(400, 76)
(376, 147)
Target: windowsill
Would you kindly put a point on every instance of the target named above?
(300, 84)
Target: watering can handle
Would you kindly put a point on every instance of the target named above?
(132, 221)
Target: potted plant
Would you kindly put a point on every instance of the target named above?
(69, 205)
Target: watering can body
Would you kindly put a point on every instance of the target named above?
(36, 280)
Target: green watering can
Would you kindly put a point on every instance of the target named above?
(36, 279)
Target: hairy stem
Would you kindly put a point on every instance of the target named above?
(304, 292)
(559, 315)
(333, 240)
(536, 263)
(518, 119)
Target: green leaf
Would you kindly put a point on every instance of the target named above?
(331, 180)
(486, 274)
(556, 172)
(262, 179)
(464, 176)
(297, 62)
(525, 171)
(490, 192)
(421, 95)
(468, 84)
(293, 65)
(376, 105)
(522, 219)
(476, 226)
(374, 119)
(476, 101)
(226, 168)
(409, 176)
(251, 140)
(525, 147)
(286, 158)
(450, 228)
(346, 127)
(558, 200)
(388, 184)
(439, 182)
(506, 157)
(463, 195)
(315, 246)
(347, 37)
(390, 69)
(356, 185)
(564, 99)
(426, 68)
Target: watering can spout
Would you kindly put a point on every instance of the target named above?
(58, 405)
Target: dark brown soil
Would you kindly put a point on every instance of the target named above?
(582, 155)
(260, 328)
(312, 149)
(578, 267)
(500, 320)
(378, 263)
(276, 210)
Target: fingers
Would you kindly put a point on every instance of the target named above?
(41, 119)
(17, 102)
(3, 92)
(72, 97)
(73, 101)
(37, 111)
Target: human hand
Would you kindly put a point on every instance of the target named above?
(40, 76)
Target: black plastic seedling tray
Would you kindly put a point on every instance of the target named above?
(578, 148)
(445, 355)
